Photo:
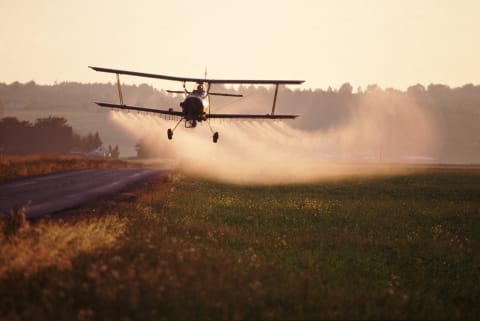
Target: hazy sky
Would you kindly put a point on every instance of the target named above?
(393, 43)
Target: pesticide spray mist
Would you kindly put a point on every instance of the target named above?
(267, 152)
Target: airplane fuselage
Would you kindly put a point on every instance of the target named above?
(195, 108)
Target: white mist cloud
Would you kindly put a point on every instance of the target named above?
(274, 152)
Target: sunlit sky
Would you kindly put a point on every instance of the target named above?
(392, 43)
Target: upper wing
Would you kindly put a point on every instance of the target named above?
(148, 110)
(247, 116)
(198, 80)
(143, 74)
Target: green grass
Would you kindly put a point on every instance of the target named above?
(404, 247)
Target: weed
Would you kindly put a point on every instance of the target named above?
(15, 222)
(57, 243)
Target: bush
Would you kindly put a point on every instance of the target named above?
(16, 221)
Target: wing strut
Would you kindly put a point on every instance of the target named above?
(119, 86)
(275, 98)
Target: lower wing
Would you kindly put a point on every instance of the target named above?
(148, 110)
(249, 116)
(181, 114)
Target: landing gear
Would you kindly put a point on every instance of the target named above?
(187, 123)
(170, 131)
(215, 134)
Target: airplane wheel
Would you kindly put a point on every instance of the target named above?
(215, 137)
(169, 133)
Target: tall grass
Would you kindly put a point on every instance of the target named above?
(389, 248)
(56, 244)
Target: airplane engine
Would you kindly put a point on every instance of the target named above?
(192, 107)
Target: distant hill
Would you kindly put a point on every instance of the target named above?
(453, 112)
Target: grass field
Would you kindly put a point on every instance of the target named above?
(404, 247)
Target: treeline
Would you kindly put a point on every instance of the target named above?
(75, 96)
(454, 113)
(319, 109)
(51, 135)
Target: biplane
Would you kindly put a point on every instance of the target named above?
(196, 104)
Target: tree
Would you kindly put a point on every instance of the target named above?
(15, 135)
(97, 141)
(87, 143)
(47, 135)
(373, 88)
(113, 152)
(141, 148)
(346, 88)
(90, 142)
(416, 90)
(116, 152)
(52, 135)
(53, 122)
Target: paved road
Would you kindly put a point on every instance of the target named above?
(55, 192)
